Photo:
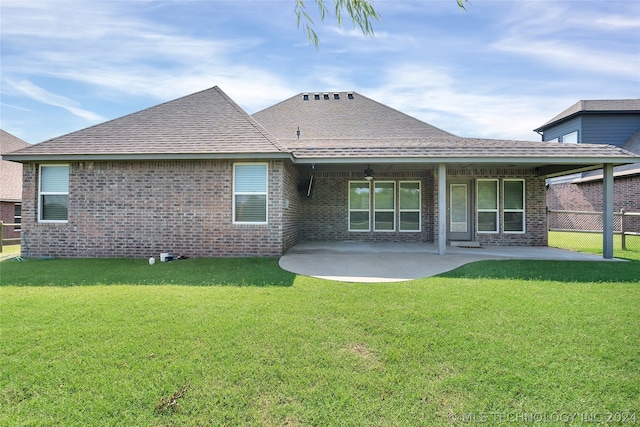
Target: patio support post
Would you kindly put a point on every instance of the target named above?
(607, 211)
(442, 209)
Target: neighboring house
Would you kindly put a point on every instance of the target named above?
(10, 186)
(199, 176)
(614, 122)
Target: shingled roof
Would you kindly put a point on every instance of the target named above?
(207, 123)
(614, 106)
(340, 115)
(10, 172)
(334, 127)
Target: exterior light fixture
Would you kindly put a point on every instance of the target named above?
(368, 173)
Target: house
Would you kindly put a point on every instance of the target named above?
(614, 122)
(10, 186)
(201, 177)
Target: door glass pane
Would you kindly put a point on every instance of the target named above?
(458, 208)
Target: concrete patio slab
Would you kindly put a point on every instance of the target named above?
(395, 262)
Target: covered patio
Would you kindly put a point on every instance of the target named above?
(376, 262)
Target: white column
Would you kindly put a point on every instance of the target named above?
(607, 211)
(442, 209)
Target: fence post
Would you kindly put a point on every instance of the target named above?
(1, 234)
(623, 230)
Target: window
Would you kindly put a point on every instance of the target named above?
(571, 138)
(53, 197)
(17, 216)
(384, 206)
(513, 192)
(359, 205)
(410, 206)
(250, 193)
(487, 205)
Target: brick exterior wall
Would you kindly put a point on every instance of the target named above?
(140, 209)
(7, 216)
(535, 207)
(325, 214)
(587, 196)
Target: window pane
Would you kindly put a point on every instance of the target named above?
(359, 221)
(55, 208)
(513, 221)
(571, 138)
(54, 179)
(487, 221)
(359, 195)
(513, 192)
(251, 178)
(384, 221)
(409, 221)
(410, 195)
(487, 195)
(384, 195)
(251, 208)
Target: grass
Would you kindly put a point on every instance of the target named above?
(592, 243)
(240, 342)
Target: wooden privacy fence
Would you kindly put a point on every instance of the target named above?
(2, 239)
(624, 223)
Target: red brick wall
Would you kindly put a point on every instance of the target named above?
(535, 204)
(587, 196)
(7, 215)
(325, 214)
(140, 209)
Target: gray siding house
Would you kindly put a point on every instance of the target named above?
(199, 176)
(613, 122)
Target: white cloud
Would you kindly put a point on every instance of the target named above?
(32, 91)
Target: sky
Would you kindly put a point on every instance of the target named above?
(498, 69)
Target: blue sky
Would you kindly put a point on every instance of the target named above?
(497, 70)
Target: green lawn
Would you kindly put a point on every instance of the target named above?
(240, 342)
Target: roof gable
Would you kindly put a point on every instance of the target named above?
(206, 122)
(340, 115)
(595, 106)
(10, 172)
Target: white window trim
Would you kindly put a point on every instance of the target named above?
(349, 210)
(375, 210)
(250, 193)
(496, 210)
(524, 206)
(419, 210)
(51, 193)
